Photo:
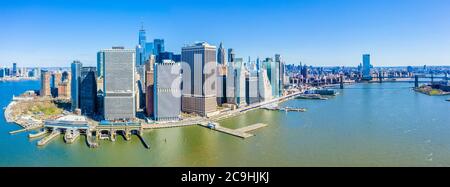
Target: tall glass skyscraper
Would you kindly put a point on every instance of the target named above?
(75, 84)
(158, 45)
(366, 67)
(167, 91)
(88, 90)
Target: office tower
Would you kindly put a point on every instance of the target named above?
(64, 89)
(199, 79)
(149, 93)
(56, 79)
(2, 72)
(265, 89)
(305, 73)
(100, 61)
(280, 67)
(239, 82)
(366, 67)
(75, 84)
(221, 55)
(14, 70)
(221, 84)
(167, 91)
(88, 90)
(45, 84)
(158, 45)
(231, 55)
(251, 88)
(119, 83)
(235, 83)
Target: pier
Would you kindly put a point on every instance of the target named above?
(70, 137)
(23, 130)
(241, 132)
(146, 145)
(37, 135)
(91, 141)
(48, 138)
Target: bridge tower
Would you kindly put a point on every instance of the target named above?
(341, 81)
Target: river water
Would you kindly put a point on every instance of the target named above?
(365, 125)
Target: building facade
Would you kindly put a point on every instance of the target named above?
(88, 91)
(45, 90)
(199, 79)
(167, 91)
(75, 84)
(119, 84)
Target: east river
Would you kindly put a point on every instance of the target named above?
(375, 124)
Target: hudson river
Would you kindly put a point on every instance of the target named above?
(365, 125)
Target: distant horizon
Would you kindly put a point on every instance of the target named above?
(321, 33)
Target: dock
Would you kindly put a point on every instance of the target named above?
(17, 131)
(146, 145)
(39, 134)
(168, 125)
(48, 138)
(25, 129)
(91, 141)
(241, 132)
(251, 127)
(71, 137)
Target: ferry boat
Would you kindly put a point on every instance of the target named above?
(311, 96)
(212, 125)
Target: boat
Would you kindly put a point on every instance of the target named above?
(211, 125)
(448, 99)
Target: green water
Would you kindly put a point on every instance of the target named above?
(365, 125)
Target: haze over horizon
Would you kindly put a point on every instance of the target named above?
(52, 33)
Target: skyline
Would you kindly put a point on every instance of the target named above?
(318, 33)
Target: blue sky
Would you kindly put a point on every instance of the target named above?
(316, 32)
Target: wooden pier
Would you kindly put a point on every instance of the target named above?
(48, 138)
(241, 132)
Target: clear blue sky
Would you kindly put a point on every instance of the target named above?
(316, 32)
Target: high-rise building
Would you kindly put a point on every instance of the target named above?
(14, 70)
(100, 61)
(64, 90)
(221, 55)
(75, 84)
(167, 91)
(280, 67)
(199, 79)
(158, 46)
(88, 90)
(221, 84)
(119, 83)
(231, 55)
(366, 67)
(45, 84)
(265, 89)
(251, 88)
(56, 79)
(235, 83)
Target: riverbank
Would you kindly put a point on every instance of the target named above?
(428, 90)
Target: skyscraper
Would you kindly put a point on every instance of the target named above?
(88, 90)
(75, 84)
(119, 83)
(167, 91)
(158, 46)
(366, 67)
(251, 88)
(221, 55)
(100, 61)
(236, 83)
(14, 70)
(199, 79)
(45, 83)
(231, 55)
